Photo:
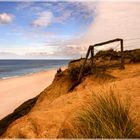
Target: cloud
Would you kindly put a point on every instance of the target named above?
(63, 17)
(113, 20)
(24, 5)
(44, 19)
(8, 55)
(42, 54)
(59, 12)
(68, 51)
(6, 18)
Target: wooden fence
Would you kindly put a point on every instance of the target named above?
(91, 51)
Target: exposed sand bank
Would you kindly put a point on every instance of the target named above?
(14, 91)
(54, 112)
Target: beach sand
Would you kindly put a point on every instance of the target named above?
(14, 91)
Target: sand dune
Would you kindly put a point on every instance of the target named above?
(54, 110)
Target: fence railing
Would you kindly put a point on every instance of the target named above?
(91, 51)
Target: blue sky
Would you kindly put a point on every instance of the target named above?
(41, 29)
(65, 29)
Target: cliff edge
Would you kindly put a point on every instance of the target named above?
(53, 114)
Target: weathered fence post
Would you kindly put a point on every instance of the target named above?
(82, 68)
(92, 55)
(91, 48)
(122, 55)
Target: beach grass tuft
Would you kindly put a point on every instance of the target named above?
(106, 116)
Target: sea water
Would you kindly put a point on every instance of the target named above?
(12, 68)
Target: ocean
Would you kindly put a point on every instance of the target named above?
(13, 68)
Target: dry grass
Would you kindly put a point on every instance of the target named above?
(74, 72)
(107, 116)
(74, 75)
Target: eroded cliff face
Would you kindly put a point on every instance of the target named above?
(55, 108)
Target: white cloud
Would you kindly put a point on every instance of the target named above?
(8, 55)
(44, 19)
(63, 17)
(6, 18)
(113, 20)
(81, 11)
(24, 5)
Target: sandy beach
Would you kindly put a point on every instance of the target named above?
(14, 91)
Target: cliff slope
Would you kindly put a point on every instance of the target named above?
(56, 106)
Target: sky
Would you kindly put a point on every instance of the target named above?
(65, 29)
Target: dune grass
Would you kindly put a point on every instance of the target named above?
(107, 116)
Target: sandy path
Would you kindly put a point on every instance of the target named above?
(14, 91)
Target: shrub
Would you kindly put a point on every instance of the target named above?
(107, 116)
(74, 75)
(75, 71)
(107, 53)
(133, 55)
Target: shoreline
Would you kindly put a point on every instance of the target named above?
(30, 73)
(16, 90)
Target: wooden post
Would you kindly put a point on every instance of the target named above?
(91, 48)
(108, 42)
(82, 68)
(122, 55)
(93, 66)
(92, 56)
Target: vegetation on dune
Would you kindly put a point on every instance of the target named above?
(22, 110)
(104, 60)
(108, 53)
(74, 75)
(98, 72)
(132, 55)
(74, 72)
(107, 116)
(75, 65)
